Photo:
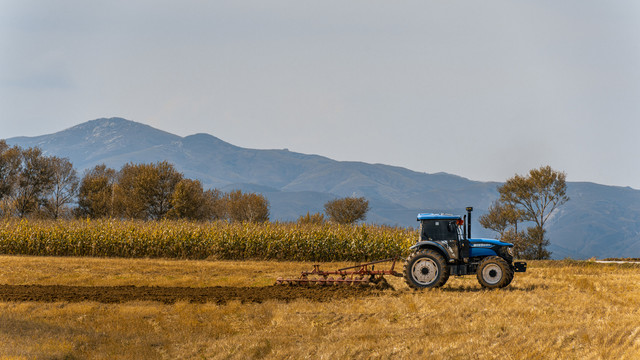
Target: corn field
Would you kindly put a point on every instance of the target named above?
(198, 240)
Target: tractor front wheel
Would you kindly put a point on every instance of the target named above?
(494, 273)
(425, 269)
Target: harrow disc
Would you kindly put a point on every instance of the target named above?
(362, 274)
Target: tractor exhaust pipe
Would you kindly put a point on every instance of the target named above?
(469, 210)
(464, 227)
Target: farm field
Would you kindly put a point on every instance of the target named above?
(169, 239)
(185, 309)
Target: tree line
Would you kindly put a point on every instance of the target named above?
(158, 191)
(32, 183)
(35, 185)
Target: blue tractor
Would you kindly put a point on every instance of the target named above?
(445, 247)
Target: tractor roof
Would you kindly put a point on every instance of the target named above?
(438, 217)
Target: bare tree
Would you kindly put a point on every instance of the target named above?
(65, 186)
(10, 160)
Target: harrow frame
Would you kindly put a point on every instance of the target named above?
(351, 275)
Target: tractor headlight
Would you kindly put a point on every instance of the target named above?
(510, 250)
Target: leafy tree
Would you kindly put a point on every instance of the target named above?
(529, 198)
(347, 210)
(35, 181)
(95, 195)
(131, 192)
(145, 191)
(316, 218)
(65, 186)
(214, 205)
(521, 242)
(537, 195)
(165, 178)
(535, 244)
(501, 217)
(188, 201)
(242, 207)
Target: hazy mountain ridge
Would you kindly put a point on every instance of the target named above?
(599, 220)
(98, 139)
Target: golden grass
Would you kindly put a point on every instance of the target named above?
(557, 310)
(87, 271)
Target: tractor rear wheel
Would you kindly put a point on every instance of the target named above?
(425, 269)
(494, 272)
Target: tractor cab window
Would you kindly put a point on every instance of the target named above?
(439, 230)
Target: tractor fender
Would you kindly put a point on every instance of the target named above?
(431, 245)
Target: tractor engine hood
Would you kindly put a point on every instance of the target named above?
(487, 243)
(489, 247)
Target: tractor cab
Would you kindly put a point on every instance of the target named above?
(435, 227)
(447, 232)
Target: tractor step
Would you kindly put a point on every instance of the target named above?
(519, 266)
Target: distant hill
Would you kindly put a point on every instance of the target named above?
(599, 220)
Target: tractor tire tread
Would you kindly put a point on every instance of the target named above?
(443, 269)
(507, 271)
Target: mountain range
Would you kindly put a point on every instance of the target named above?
(599, 221)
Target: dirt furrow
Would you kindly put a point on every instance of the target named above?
(169, 295)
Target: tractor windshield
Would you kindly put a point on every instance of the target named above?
(439, 230)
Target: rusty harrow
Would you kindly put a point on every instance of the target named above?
(352, 275)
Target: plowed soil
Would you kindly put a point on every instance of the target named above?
(169, 295)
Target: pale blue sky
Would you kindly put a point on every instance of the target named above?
(478, 89)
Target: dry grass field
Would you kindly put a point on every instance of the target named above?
(557, 310)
